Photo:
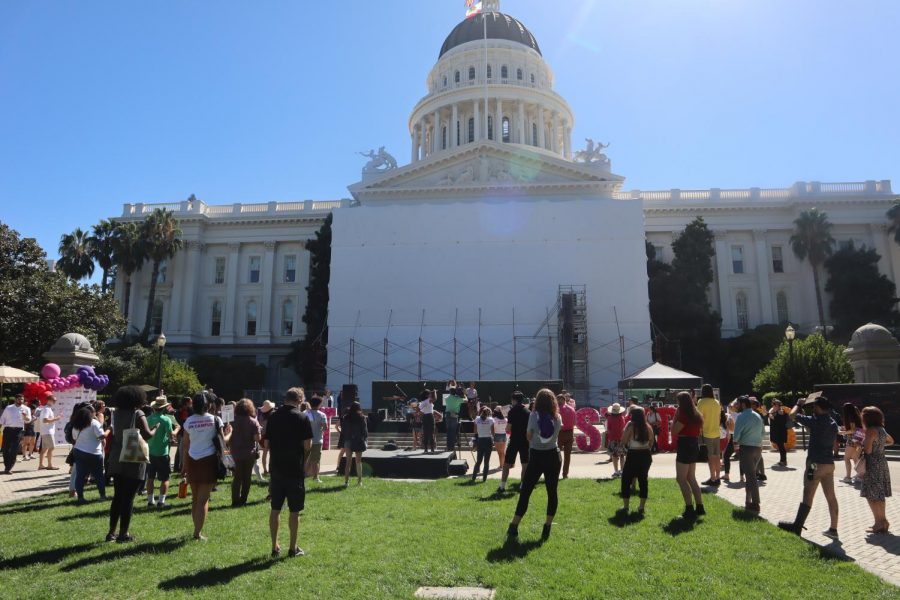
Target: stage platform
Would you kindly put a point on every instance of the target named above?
(404, 464)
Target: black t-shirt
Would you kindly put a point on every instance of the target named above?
(518, 422)
(286, 430)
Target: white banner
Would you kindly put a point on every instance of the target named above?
(65, 405)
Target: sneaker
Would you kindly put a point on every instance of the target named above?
(110, 537)
(847, 480)
(709, 482)
(545, 532)
(830, 533)
(701, 510)
(716, 483)
(761, 478)
(162, 505)
(296, 552)
(512, 532)
(689, 513)
(276, 552)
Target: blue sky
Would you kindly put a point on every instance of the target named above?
(107, 102)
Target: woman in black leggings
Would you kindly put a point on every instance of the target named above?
(638, 442)
(544, 424)
(127, 477)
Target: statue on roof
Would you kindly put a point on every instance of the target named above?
(379, 161)
(593, 153)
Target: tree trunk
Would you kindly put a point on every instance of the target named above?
(104, 285)
(150, 301)
(127, 301)
(819, 305)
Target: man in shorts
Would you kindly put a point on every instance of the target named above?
(711, 410)
(289, 434)
(517, 423)
(823, 432)
(319, 423)
(47, 422)
(160, 466)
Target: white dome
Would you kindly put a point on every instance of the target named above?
(872, 335)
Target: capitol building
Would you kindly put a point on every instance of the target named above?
(505, 249)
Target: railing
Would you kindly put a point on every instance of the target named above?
(198, 207)
(798, 190)
(254, 208)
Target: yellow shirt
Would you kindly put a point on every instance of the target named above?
(710, 409)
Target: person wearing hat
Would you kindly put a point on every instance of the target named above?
(823, 432)
(160, 468)
(264, 412)
(615, 426)
(779, 421)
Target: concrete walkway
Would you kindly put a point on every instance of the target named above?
(780, 496)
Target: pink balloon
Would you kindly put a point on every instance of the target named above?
(50, 371)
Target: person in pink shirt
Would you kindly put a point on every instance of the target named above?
(615, 425)
(567, 433)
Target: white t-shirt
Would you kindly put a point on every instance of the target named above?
(317, 419)
(202, 431)
(471, 393)
(47, 428)
(426, 407)
(14, 416)
(485, 427)
(89, 440)
(499, 426)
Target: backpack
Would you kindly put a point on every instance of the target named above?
(67, 430)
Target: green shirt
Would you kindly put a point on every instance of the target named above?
(159, 443)
(452, 403)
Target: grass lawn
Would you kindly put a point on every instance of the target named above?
(386, 539)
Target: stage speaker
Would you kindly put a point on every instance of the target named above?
(458, 467)
(349, 392)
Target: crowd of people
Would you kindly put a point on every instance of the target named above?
(283, 446)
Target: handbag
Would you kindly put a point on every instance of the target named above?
(226, 461)
(134, 448)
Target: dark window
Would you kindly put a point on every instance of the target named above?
(445, 81)
(504, 72)
(505, 129)
(444, 138)
(156, 318)
(490, 127)
(471, 73)
(251, 318)
(777, 260)
(519, 74)
(737, 260)
(471, 130)
(534, 137)
(490, 72)
(456, 77)
(255, 262)
(216, 325)
(532, 79)
(290, 268)
(219, 274)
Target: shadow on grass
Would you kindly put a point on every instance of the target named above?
(512, 549)
(36, 504)
(325, 490)
(834, 551)
(679, 525)
(739, 514)
(215, 576)
(498, 495)
(84, 514)
(623, 519)
(123, 551)
(45, 556)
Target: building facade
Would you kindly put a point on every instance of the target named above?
(491, 152)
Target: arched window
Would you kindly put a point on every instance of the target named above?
(781, 305)
(251, 317)
(534, 136)
(471, 73)
(471, 130)
(287, 317)
(505, 129)
(215, 327)
(163, 272)
(532, 79)
(504, 72)
(444, 137)
(156, 317)
(490, 72)
(490, 127)
(743, 313)
(456, 77)
(519, 74)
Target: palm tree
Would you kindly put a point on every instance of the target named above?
(129, 253)
(75, 259)
(102, 242)
(893, 216)
(162, 238)
(812, 241)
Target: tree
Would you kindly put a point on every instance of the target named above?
(816, 361)
(308, 355)
(37, 306)
(812, 241)
(687, 330)
(893, 216)
(75, 259)
(129, 254)
(101, 249)
(859, 293)
(136, 365)
(162, 240)
(744, 356)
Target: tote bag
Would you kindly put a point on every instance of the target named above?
(134, 448)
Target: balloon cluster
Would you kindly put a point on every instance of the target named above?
(53, 382)
(91, 380)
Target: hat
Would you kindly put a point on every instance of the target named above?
(160, 403)
(616, 409)
(267, 406)
(776, 401)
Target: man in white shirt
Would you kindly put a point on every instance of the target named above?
(13, 420)
(320, 428)
(426, 405)
(47, 427)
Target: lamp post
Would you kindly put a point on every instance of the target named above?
(789, 335)
(160, 343)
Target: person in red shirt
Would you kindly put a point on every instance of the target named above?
(615, 426)
(567, 433)
(687, 427)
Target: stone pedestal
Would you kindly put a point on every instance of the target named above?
(71, 351)
(874, 354)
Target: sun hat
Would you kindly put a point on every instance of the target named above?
(266, 406)
(160, 403)
(616, 409)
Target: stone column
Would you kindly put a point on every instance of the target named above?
(436, 131)
(498, 125)
(521, 123)
(266, 301)
(767, 314)
(230, 325)
(567, 140)
(542, 139)
(726, 308)
(422, 138)
(554, 142)
(190, 295)
(454, 125)
(413, 156)
(477, 117)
